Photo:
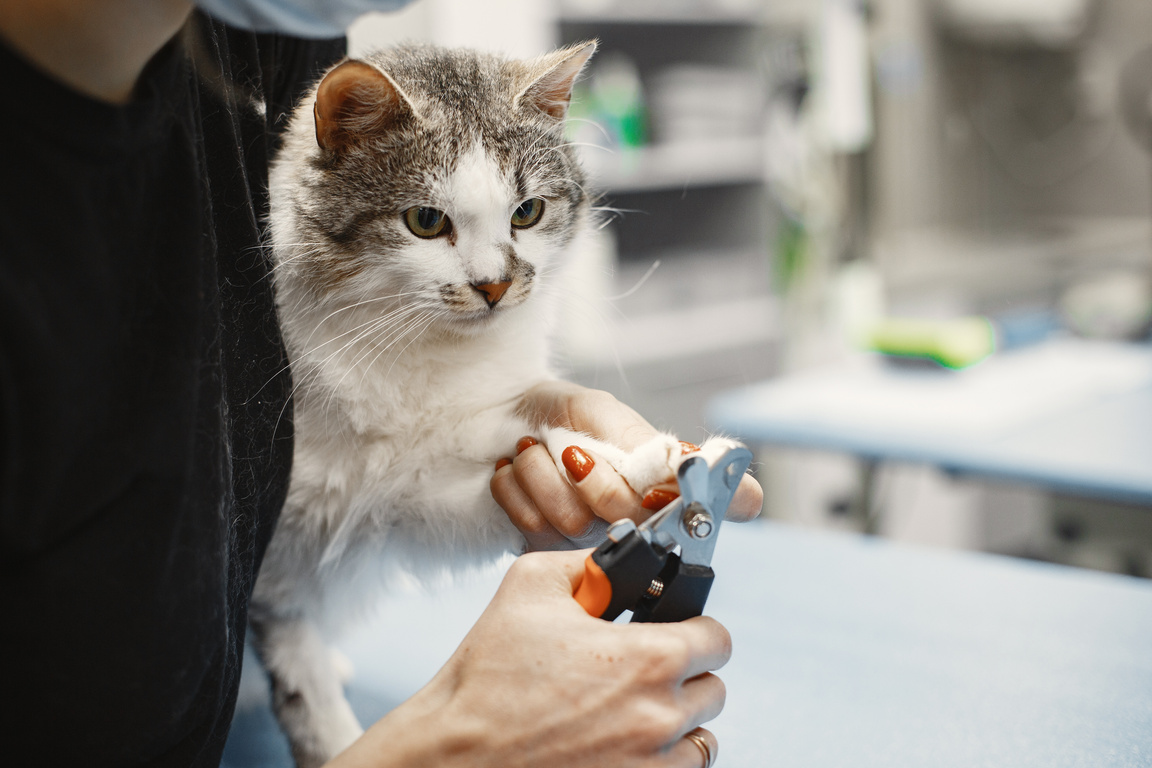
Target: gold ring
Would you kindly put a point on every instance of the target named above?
(701, 744)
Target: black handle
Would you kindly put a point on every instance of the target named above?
(630, 565)
(685, 592)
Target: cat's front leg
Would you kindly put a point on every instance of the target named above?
(307, 689)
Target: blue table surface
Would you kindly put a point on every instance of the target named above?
(1092, 441)
(849, 651)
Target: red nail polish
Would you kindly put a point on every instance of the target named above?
(524, 444)
(578, 463)
(501, 463)
(658, 498)
(687, 448)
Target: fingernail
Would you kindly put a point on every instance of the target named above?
(687, 448)
(578, 463)
(501, 463)
(524, 444)
(658, 498)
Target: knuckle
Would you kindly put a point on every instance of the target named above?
(571, 524)
(668, 658)
(533, 524)
(659, 725)
(610, 496)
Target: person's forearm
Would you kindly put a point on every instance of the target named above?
(96, 47)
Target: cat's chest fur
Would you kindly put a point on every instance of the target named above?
(401, 447)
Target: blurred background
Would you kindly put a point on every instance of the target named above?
(795, 192)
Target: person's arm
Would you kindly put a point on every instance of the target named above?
(551, 510)
(97, 47)
(539, 682)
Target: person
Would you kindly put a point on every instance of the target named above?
(145, 433)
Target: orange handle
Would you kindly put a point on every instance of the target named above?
(595, 590)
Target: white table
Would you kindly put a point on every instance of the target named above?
(1068, 415)
(851, 651)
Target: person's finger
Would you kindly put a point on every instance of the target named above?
(522, 511)
(600, 487)
(703, 696)
(539, 478)
(747, 502)
(686, 753)
(555, 574)
(563, 404)
(708, 645)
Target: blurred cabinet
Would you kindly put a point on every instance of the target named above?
(690, 175)
(671, 124)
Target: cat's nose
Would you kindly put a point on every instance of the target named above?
(492, 292)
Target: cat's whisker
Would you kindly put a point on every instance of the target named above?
(392, 338)
(361, 331)
(302, 250)
(379, 325)
(639, 283)
(597, 125)
(375, 326)
(590, 144)
(357, 305)
(613, 209)
(592, 313)
(409, 344)
(386, 334)
(289, 366)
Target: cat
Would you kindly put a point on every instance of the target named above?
(422, 207)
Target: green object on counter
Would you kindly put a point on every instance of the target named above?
(956, 343)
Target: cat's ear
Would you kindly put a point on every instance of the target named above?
(355, 100)
(552, 78)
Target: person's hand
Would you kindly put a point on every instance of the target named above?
(539, 682)
(551, 511)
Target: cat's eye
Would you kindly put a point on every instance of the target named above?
(426, 222)
(528, 213)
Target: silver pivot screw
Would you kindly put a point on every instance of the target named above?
(698, 522)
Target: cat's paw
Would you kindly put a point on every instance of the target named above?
(656, 461)
(650, 464)
(715, 447)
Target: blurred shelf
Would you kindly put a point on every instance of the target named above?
(683, 164)
(990, 267)
(693, 16)
(787, 12)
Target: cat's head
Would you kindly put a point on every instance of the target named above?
(436, 178)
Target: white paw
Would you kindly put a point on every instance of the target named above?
(655, 462)
(652, 463)
(715, 447)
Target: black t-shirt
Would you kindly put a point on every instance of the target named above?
(145, 421)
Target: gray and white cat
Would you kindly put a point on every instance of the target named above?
(422, 207)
